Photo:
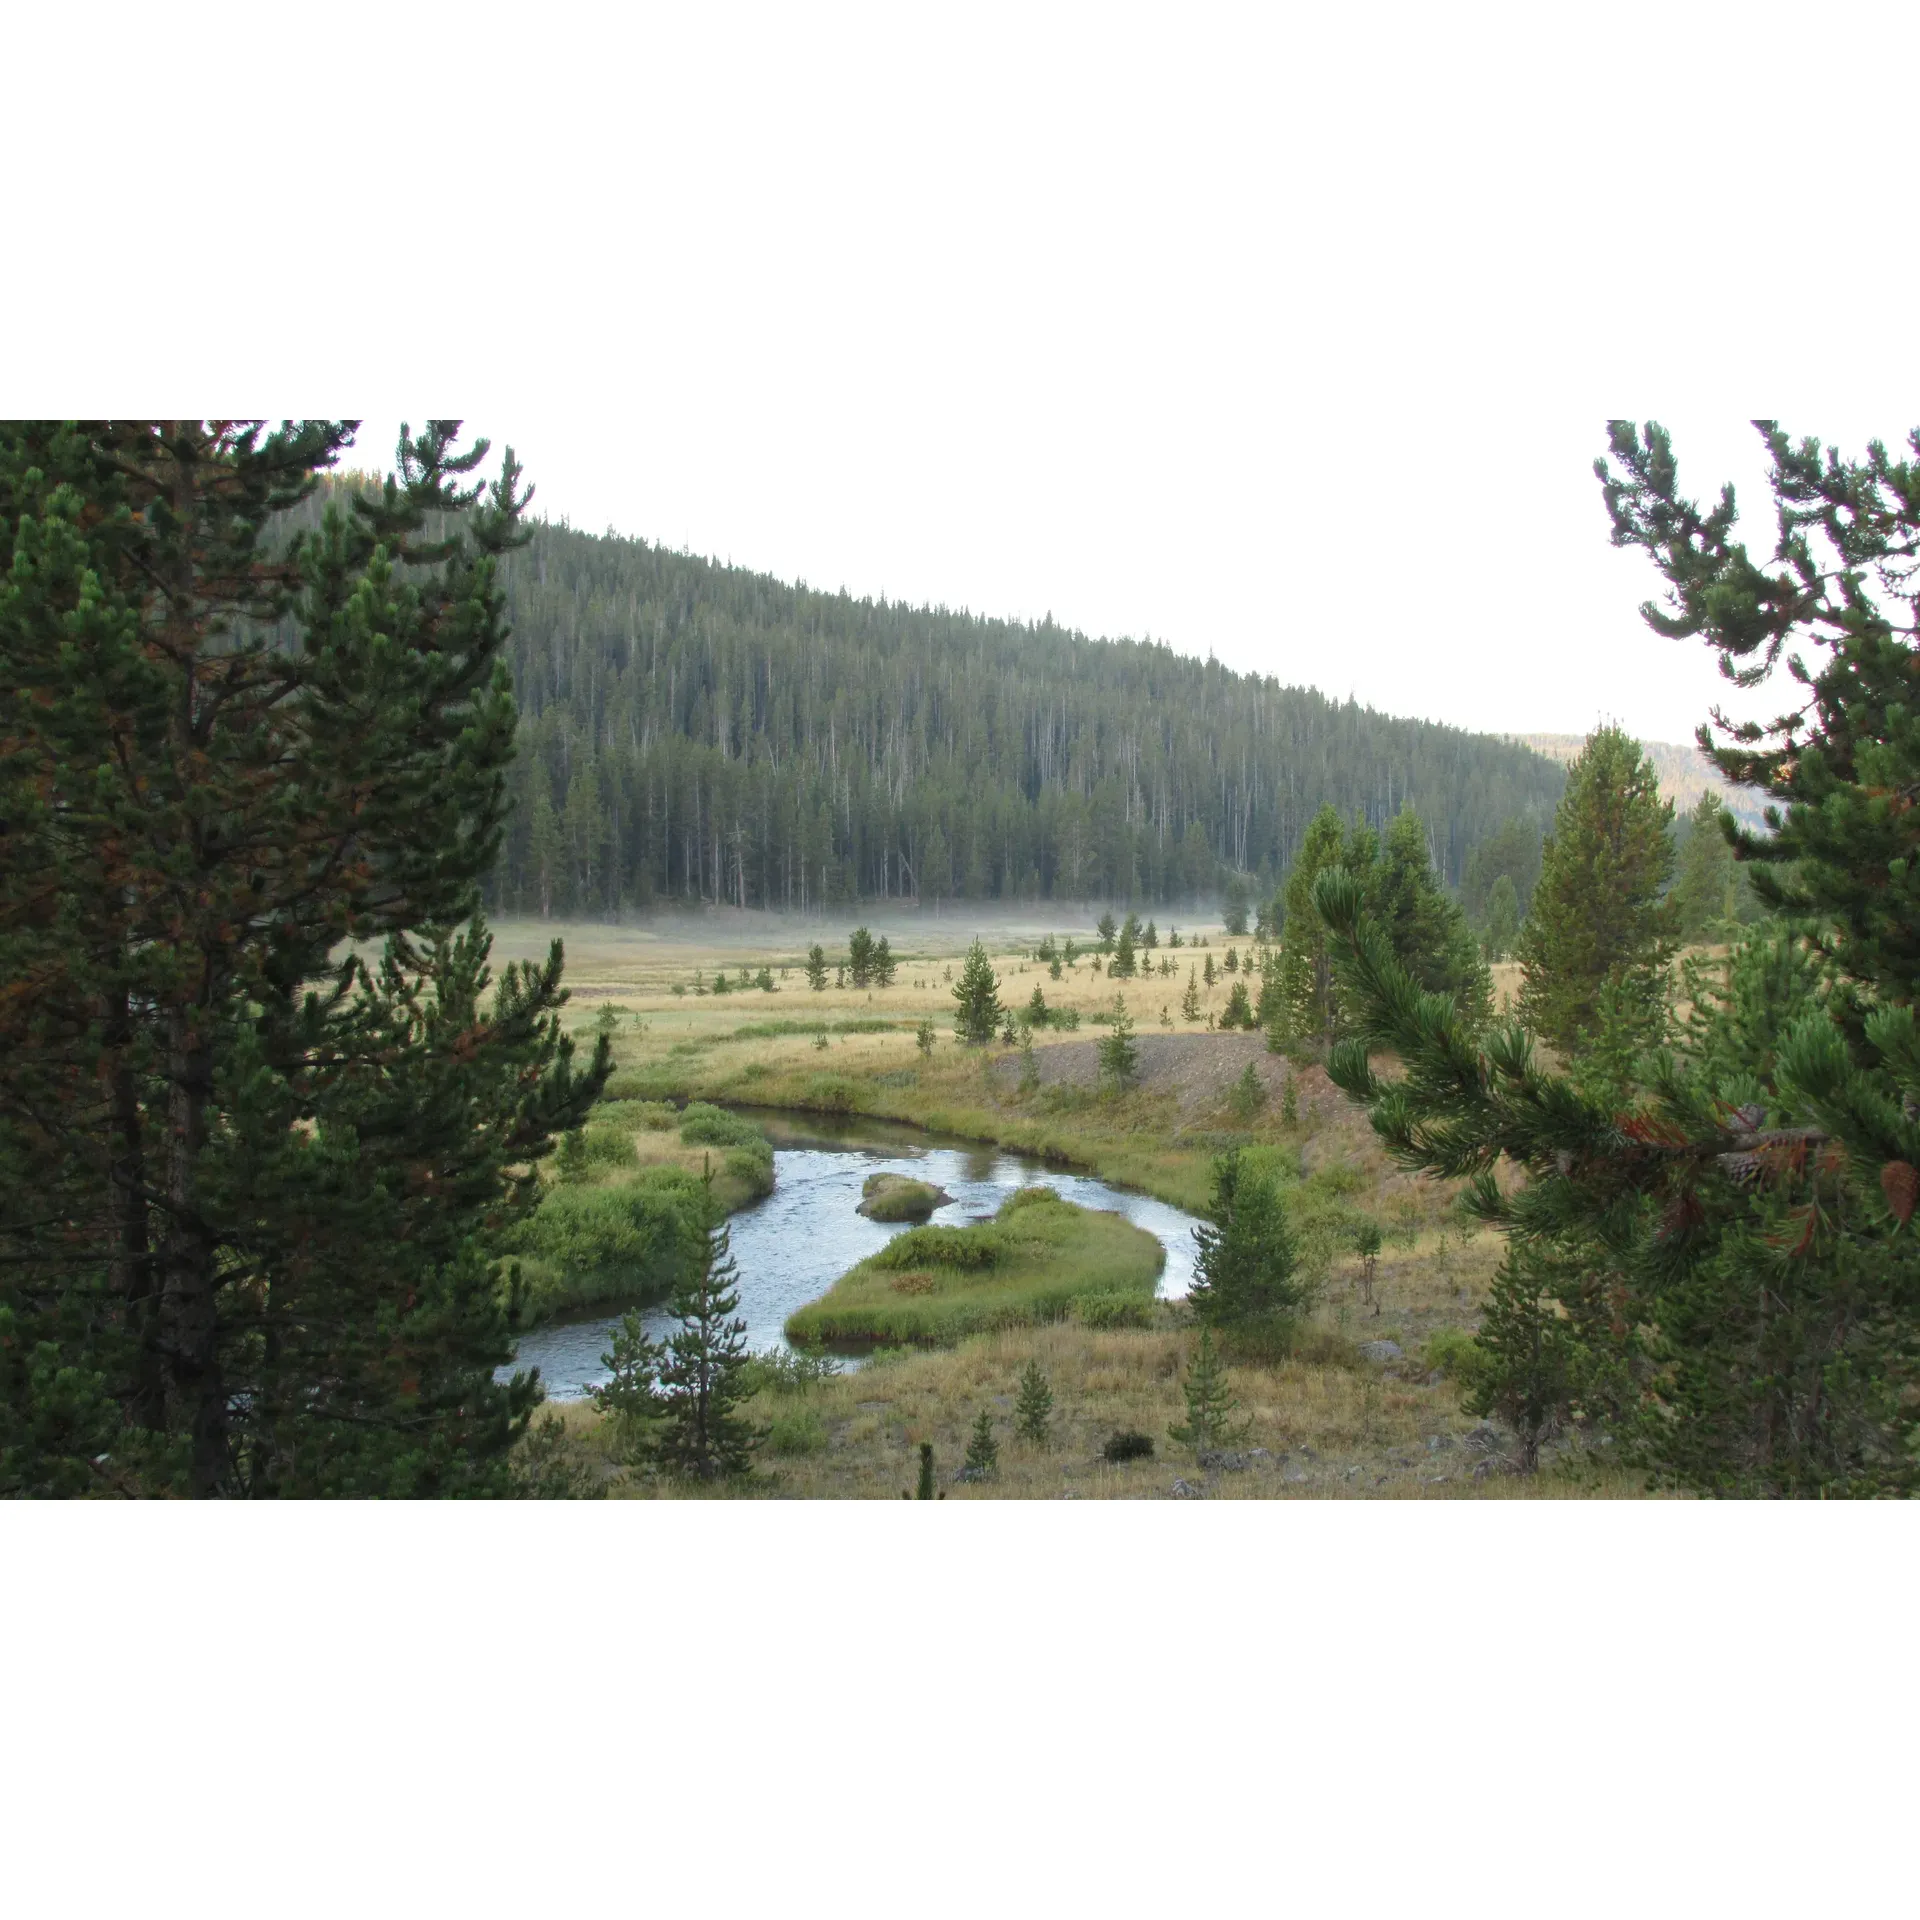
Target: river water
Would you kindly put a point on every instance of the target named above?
(793, 1245)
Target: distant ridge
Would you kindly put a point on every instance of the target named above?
(1685, 772)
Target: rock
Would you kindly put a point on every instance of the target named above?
(1294, 1475)
(1439, 1442)
(892, 1196)
(1486, 1439)
(1259, 1453)
(1218, 1460)
(1380, 1350)
(1186, 1490)
(969, 1473)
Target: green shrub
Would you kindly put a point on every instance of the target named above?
(796, 1431)
(966, 1248)
(1112, 1310)
(609, 1146)
(702, 1125)
(1456, 1354)
(1028, 1197)
(629, 1243)
(1127, 1445)
(830, 1093)
(781, 1370)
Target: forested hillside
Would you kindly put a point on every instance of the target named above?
(696, 732)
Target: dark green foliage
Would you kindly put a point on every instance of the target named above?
(703, 1372)
(1033, 1409)
(1711, 897)
(817, 967)
(1238, 1012)
(1247, 1270)
(1599, 914)
(983, 1451)
(629, 1397)
(632, 1241)
(1502, 927)
(1037, 1009)
(1248, 1095)
(1234, 902)
(1213, 1414)
(1127, 1444)
(1109, 1310)
(1696, 1262)
(925, 1488)
(1512, 854)
(1124, 958)
(967, 1248)
(860, 960)
(1119, 1057)
(1306, 974)
(1427, 930)
(702, 1125)
(923, 1038)
(884, 964)
(1106, 927)
(1366, 1243)
(1190, 1000)
(976, 997)
(252, 1187)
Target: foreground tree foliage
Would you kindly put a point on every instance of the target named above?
(1722, 1260)
(249, 1175)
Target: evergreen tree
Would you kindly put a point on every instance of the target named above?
(1247, 1271)
(703, 1372)
(1119, 1057)
(860, 957)
(1106, 928)
(1427, 930)
(1710, 896)
(1598, 912)
(1511, 853)
(924, 1491)
(923, 1038)
(983, 1452)
(1213, 1413)
(1033, 1410)
(1234, 904)
(976, 999)
(273, 1173)
(1306, 973)
(1150, 939)
(1190, 1000)
(1503, 919)
(1238, 1011)
(629, 1396)
(884, 964)
(1037, 1009)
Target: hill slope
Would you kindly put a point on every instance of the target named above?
(692, 731)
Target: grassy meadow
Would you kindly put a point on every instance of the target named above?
(1327, 1420)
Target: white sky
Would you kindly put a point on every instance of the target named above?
(1286, 336)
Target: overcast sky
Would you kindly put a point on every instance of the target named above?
(1282, 336)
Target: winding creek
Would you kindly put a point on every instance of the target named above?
(792, 1246)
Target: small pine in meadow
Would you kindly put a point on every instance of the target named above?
(1033, 1411)
(923, 1038)
(1190, 1000)
(1029, 1067)
(983, 1451)
(925, 1491)
(817, 968)
(1208, 974)
(1119, 1058)
(1290, 1104)
(1213, 1414)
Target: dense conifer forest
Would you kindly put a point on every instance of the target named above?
(693, 732)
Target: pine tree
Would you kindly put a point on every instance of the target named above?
(1119, 1057)
(1151, 938)
(1710, 897)
(1503, 919)
(1190, 1000)
(1106, 929)
(1247, 1271)
(1306, 976)
(1238, 1011)
(1037, 1009)
(703, 1372)
(629, 1396)
(1598, 912)
(924, 1491)
(1427, 930)
(977, 999)
(817, 968)
(258, 746)
(983, 1452)
(923, 1038)
(884, 964)
(1033, 1409)
(860, 957)
(1213, 1414)
(1233, 905)
(1123, 953)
